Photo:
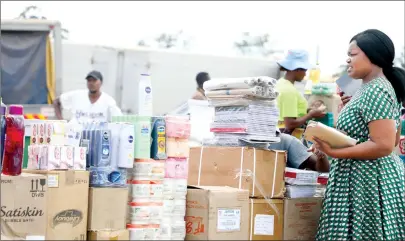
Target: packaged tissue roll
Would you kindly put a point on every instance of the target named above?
(177, 147)
(174, 207)
(145, 210)
(176, 168)
(173, 229)
(144, 231)
(147, 189)
(154, 169)
(178, 126)
(174, 188)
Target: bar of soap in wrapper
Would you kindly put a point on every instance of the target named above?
(335, 138)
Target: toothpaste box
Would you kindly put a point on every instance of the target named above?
(55, 133)
(33, 157)
(50, 157)
(34, 134)
(41, 135)
(66, 157)
(79, 158)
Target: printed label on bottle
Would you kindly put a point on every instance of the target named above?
(161, 140)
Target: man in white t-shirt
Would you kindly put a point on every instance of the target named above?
(87, 105)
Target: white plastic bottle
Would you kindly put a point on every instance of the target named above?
(145, 101)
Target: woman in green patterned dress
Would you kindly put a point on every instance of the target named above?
(365, 196)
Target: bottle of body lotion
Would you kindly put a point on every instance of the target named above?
(145, 101)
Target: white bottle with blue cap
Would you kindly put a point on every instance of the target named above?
(145, 101)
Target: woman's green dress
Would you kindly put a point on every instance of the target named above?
(365, 199)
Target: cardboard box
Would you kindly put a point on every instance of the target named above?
(217, 213)
(266, 219)
(237, 167)
(301, 218)
(68, 193)
(122, 234)
(23, 206)
(107, 208)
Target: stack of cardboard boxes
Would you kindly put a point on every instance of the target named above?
(243, 190)
(49, 205)
(107, 214)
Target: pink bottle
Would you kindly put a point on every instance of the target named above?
(14, 143)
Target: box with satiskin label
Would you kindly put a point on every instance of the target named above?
(23, 207)
(68, 193)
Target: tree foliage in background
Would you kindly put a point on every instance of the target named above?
(27, 13)
(255, 45)
(176, 40)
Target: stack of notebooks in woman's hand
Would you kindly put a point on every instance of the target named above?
(335, 138)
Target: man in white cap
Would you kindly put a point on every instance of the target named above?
(87, 105)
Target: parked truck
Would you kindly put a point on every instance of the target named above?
(31, 64)
(173, 73)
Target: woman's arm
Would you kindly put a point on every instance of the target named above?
(381, 143)
(291, 122)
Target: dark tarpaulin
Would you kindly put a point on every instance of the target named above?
(23, 67)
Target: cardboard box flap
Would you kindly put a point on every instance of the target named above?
(259, 171)
(268, 201)
(215, 188)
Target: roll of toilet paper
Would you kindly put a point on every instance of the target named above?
(174, 207)
(175, 188)
(176, 168)
(145, 210)
(147, 189)
(148, 168)
(143, 231)
(173, 228)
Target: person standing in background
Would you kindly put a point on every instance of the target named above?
(293, 106)
(87, 105)
(200, 79)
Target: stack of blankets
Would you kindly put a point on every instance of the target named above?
(245, 111)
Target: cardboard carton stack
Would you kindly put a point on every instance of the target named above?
(217, 213)
(300, 183)
(24, 201)
(107, 214)
(145, 206)
(56, 154)
(66, 202)
(259, 172)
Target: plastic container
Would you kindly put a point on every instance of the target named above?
(158, 148)
(328, 119)
(142, 137)
(14, 143)
(145, 101)
(3, 111)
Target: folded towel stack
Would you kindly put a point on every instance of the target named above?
(245, 111)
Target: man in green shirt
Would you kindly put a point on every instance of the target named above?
(293, 107)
